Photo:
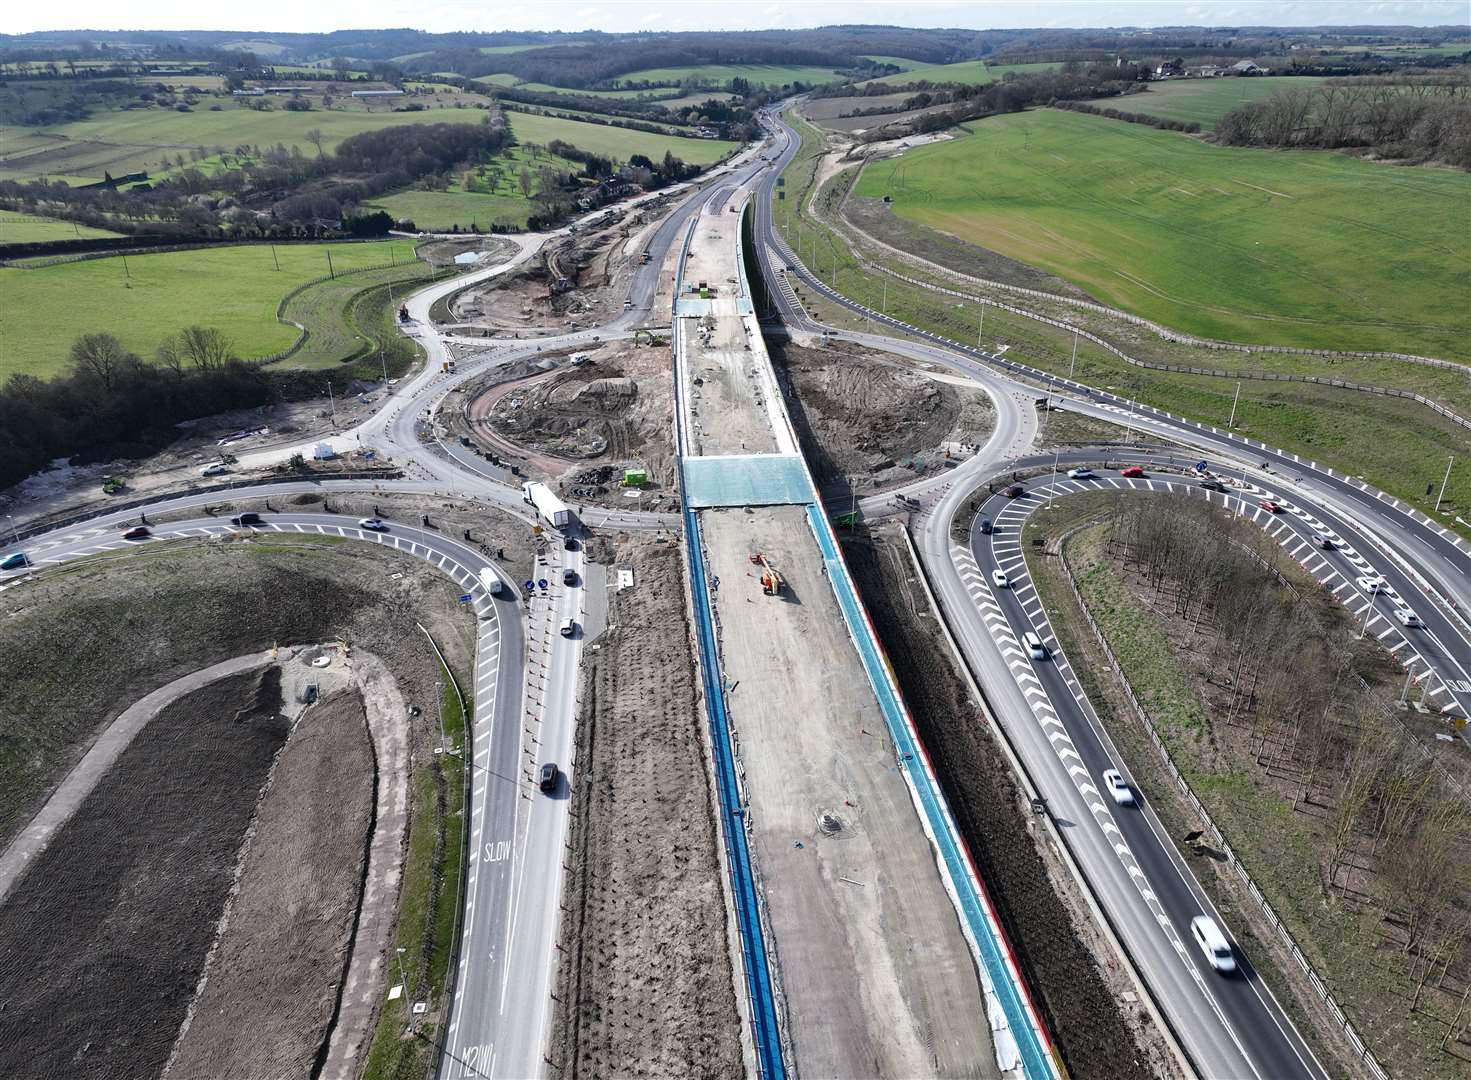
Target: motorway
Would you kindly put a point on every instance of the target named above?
(1227, 1028)
(525, 672)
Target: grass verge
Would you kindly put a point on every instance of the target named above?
(428, 910)
(1392, 443)
(1280, 843)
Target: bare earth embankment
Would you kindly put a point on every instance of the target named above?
(102, 942)
(271, 986)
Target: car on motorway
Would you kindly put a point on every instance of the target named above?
(1133, 472)
(1212, 484)
(547, 777)
(1121, 792)
(1035, 648)
(1370, 585)
(18, 561)
(1323, 542)
(1271, 506)
(1000, 580)
(1013, 491)
(1213, 943)
(250, 517)
(1407, 617)
(372, 524)
(1080, 473)
(138, 532)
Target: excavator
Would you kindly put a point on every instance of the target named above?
(771, 582)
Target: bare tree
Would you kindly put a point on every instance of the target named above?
(101, 356)
(316, 138)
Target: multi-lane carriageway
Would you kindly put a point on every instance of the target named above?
(499, 1021)
(1233, 1031)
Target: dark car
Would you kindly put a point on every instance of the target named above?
(1213, 485)
(137, 532)
(250, 518)
(986, 527)
(548, 776)
(569, 576)
(17, 561)
(1013, 491)
(569, 544)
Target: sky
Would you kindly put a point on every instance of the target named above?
(630, 15)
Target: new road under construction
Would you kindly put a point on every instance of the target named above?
(867, 942)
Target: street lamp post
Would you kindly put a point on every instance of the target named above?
(1232, 422)
(1444, 482)
(408, 998)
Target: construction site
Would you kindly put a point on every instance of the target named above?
(576, 280)
(868, 955)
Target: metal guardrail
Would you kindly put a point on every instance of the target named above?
(1319, 987)
(39, 528)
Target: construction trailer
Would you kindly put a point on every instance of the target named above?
(553, 510)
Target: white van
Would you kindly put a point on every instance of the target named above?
(1213, 943)
(1034, 646)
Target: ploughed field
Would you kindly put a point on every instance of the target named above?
(1302, 248)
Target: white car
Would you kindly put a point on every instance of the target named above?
(1000, 580)
(1213, 943)
(1122, 793)
(372, 524)
(1407, 617)
(1080, 474)
(1370, 585)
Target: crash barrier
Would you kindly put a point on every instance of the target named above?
(51, 525)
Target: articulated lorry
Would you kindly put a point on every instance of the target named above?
(552, 509)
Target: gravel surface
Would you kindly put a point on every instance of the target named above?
(271, 985)
(646, 983)
(103, 941)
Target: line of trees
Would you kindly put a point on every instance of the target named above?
(1417, 119)
(113, 403)
(270, 192)
(1394, 833)
(1162, 122)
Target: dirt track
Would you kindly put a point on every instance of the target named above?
(139, 875)
(646, 981)
(271, 985)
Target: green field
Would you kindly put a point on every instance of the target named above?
(1203, 100)
(1302, 248)
(901, 62)
(147, 298)
(121, 141)
(17, 228)
(616, 142)
(720, 74)
(965, 73)
(441, 211)
(130, 141)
